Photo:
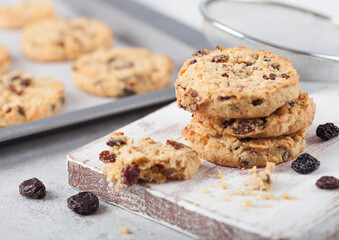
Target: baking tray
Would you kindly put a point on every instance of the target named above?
(133, 24)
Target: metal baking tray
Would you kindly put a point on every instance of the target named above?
(134, 25)
(308, 39)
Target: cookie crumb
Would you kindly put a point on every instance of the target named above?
(287, 196)
(137, 228)
(219, 174)
(150, 233)
(265, 205)
(125, 230)
(261, 180)
(222, 184)
(267, 196)
(205, 191)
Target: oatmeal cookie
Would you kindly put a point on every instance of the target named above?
(231, 151)
(25, 98)
(236, 83)
(4, 60)
(24, 13)
(122, 71)
(288, 119)
(62, 39)
(148, 160)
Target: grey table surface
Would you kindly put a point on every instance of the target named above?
(44, 157)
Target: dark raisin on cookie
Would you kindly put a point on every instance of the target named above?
(15, 77)
(327, 131)
(130, 174)
(32, 188)
(328, 182)
(175, 144)
(127, 92)
(193, 61)
(249, 64)
(224, 75)
(107, 157)
(220, 58)
(226, 123)
(291, 104)
(224, 98)
(257, 102)
(115, 142)
(53, 107)
(284, 75)
(21, 111)
(305, 163)
(243, 127)
(199, 53)
(26, 82)
(9, 110)
(248, 158)
(272, 76)
(83, 203)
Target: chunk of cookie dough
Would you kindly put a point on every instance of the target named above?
(261, 180)
(148, 160)
(236, 83)
(64, 39)
(122, 71)
(290, 118)
(4, 60)
(24, 98)
(231, 151)
(24, 13)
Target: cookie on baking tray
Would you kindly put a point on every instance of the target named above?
(24, 98)
(122, 71)
(236, 83)
(64, 39)
(24, 13)
(5, 60)
(231, 151)
(290, 118)
(148, 160)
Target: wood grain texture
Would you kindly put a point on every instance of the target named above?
(314, 214)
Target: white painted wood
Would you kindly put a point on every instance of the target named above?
(314, 214)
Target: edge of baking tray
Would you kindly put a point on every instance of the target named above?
(158, 21)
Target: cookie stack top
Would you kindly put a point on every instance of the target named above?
(236, 83)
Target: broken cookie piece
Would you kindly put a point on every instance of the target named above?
(149, 160)
(262, 180)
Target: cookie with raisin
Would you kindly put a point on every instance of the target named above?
(122, 71)
(64, 39)
(236, 83)
(25, 98)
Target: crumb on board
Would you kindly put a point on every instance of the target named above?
(222, 184)
(205, 191)
(150, 233)
(265, 205)
(267, 196)
(125, 230)
(261, 180)
(226, 199)
(211, 185)
(137, 228)
(247, 204)
(85, 220)
(287, 196)
(219, 174)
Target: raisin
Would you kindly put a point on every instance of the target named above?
(227, 123)
(275, 67)
(21, 111)
(60, 43)
(110, 60)
(224, 98)
(9, 110)
(257, 102)
(53, 107)
(115, 142)
(224, 75)
(305, 164)
(248, 158)
(218, 48)
(284, 75)
(327, 182)
(83, 203)
(272, 76)
(130, 174)
(15, 78)
(249, 64)
(175, 144)
(32, 188)
(107, 157)
(26, 82)
(291, 104)
(127, 92)
(327, 131)
(243, 127)
(199, 53)
(220, 58)
(193, 61)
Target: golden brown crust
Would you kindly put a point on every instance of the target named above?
(236, 83)
(4, 60)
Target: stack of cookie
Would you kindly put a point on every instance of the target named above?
(248, 107)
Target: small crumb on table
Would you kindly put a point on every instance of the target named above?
(125, 230)
(287, 196)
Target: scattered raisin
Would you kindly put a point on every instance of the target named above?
(220, 58)
(83, 203)
(305, 163)
(284, 75)
(199, 53)
(130, 174)
(327, 182)
(327, 131)
(272, 76)
(21, 111)
(257, 102)
(175, 144)
(115, 142)
(26, 82)
(193, 61)
(107, 157)
(32, 188)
